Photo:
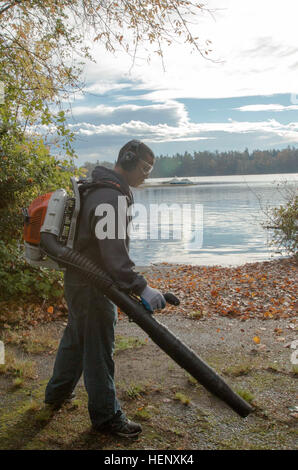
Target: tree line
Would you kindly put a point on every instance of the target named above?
(207, 163)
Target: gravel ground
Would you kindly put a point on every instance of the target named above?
(253, 355)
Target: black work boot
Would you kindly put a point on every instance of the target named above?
(119, 425)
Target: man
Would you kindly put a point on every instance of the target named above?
(88, 341)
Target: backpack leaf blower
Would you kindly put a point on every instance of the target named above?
(49, 234)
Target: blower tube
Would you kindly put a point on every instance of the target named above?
(163, 337)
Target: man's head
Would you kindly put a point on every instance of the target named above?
(135, 162)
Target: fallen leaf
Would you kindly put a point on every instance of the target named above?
(256, 339)
(268, 315)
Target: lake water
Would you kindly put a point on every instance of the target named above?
(229, 224)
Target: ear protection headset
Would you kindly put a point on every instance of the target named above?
(130, 158)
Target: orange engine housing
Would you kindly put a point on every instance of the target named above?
(34, 219)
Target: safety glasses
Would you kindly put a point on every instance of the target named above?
(145, 167)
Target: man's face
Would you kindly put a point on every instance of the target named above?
(142, 171)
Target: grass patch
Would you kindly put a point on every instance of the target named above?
(191, 379)
(34, 406)
(177, 432)
(135, 391)
(143, 414)
(196, 314)
(18, 382)
(182, 398)
(122, 343)
(238, 370)
(246, 395)
(44, 414)
(31, 341)
(18, 367)
(273, 368)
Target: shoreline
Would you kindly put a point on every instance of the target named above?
(291, 259)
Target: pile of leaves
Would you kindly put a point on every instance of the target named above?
(17, 314)
(265, 290)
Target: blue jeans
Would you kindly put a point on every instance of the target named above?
(87, 346)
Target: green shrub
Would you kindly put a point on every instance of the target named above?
(27, 169)
(283, 221)
(20, 280)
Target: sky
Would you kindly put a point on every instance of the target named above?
(244, 96)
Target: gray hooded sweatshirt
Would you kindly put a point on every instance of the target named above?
(110, 253)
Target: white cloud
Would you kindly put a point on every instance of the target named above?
(97, 88)
(254, 53)
(102, 87)
(170, 112)
(192, 131)
(100, 110)
(103, 110)
(267, 107)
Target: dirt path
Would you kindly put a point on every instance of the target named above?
(253, 356)
(175, 412)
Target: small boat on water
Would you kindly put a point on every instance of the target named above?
(179, 181)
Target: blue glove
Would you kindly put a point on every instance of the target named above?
(152, 299)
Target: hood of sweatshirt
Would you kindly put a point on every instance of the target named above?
(103, 174)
